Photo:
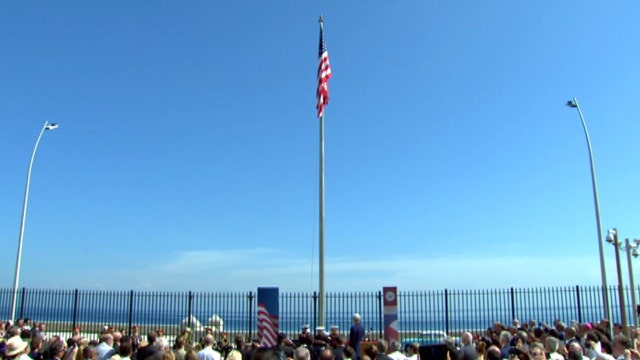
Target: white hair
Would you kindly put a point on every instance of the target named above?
(161, 344)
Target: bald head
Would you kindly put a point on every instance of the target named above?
(467, 338)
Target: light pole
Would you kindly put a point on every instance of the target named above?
(605, 292)
(612, 238)
(632, 250)
(16, 279)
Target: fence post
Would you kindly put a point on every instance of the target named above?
(578, 304)
(380, 326)
(130, 311)
(75, 308)
(513, 304)
(446, 311)
(315, 309)
(250, 299)
(24, 296)
(189, 309)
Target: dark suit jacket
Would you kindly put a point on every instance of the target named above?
(356, 334)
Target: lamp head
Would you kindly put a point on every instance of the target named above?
(571, 103)
(51, 126)
(634, 252)
(612, 234)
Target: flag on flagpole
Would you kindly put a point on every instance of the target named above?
(324, 74)
(268, 311)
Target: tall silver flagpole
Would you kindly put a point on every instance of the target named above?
(321, 242)
(321, 263)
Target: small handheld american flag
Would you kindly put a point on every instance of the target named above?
(324, 73)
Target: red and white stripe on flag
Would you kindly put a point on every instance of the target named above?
(267, 327)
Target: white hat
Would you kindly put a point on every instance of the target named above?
(15, 346)
(320, 328)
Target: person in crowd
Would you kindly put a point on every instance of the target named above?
(338, 351)
(16, 349)
(327, 354)
(191, 355)
(117, 338)
(413, 351)
(105, 348)
(264, 354)
(241, 345)
(36, 348)
(178, 348)
(55, 350)
(125, 350)
(334, 332)
(505, 340)
(305, 338)
(207, 353)
(162, 346)
(468, 349)
(551, 346)
(621, 347)
(283, 348)
(149, 350)
(90, 353)
(234, 355)
(356, 334)
(371, 351)
(576, 347)
(382, 350)
(493, 353)
(481, 350)
(394, 350)
(301, 353)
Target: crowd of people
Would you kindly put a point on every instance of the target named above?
(527, 341)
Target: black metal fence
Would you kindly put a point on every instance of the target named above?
(451, 311)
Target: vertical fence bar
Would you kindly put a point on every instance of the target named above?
(446, 310)
(22, 300)
(76, 293)
(130, 311)
(513, 303)
(315, 309)
(578, 304)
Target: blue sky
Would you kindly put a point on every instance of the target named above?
(187, 153)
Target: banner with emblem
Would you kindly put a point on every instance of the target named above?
(391, 331)
(268, 314)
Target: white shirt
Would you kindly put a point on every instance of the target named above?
(208, 354)
(397, 355)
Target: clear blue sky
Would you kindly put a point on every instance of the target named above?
(187, 153)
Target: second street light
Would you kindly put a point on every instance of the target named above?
(612, 238)
(16, 279)
(632, 250)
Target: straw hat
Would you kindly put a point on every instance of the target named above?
(15, 346)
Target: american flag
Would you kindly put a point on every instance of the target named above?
(268, 316)
(324, 74)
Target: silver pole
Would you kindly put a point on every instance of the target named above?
(16, 279)
(321, 262)
(594, 183)
(623, 312)
(632, 285)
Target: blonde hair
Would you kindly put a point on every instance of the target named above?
(234, 355)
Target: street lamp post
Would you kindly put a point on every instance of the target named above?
(605, 292)
(612, 238)
(16, 278)
(632, 250)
